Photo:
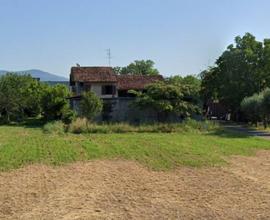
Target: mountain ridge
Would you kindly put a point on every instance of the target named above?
(36, 73)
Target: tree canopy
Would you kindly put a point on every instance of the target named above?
(90, 105)
(242, 70)
(257, 107)
(22, 96)
(138, 67)
(169, 96)
(19, 97)
(55, 105)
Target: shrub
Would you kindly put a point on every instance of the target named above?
(55, 127)
(90, 105)
(68, 115)
(266, 106)
(257, 107)
(54, 102)
(79, 125)
(252, 108)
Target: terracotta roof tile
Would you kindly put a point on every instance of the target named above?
(106, 74)
(127, 82)
(92, 74)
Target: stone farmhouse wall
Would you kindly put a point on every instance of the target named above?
(121, 110)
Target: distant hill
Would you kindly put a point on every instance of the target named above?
(43, 76)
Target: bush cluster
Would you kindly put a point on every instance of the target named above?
(22, 96)
(257, 107)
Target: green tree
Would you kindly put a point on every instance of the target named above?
(238, 73)
(191, 82)
(90, 105)
(19, 97)
(264, 73)
(257, 107)
(166, 98)
(33, 95)
(138, 67)
(252, 107)
(54, 102)
(209, 88)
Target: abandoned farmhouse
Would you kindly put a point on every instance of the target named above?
(113, 90)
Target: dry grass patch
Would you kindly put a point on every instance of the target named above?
(126, 190)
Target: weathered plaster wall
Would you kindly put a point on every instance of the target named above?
(124, 110)
(121, 110)
(96, 88)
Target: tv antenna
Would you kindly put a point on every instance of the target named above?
(109, 56)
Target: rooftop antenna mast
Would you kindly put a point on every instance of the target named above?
(109, 56)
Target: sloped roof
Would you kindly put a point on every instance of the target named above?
(127, 82)
(107, 75)
(92, 74)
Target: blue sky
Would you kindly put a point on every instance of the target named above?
(181, 36)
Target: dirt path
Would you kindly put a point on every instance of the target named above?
(126, 190)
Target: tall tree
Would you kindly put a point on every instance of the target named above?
(265, 66)
(138, 67)
(55, 105)
(19, 96)
(90, 105)
(238, 72)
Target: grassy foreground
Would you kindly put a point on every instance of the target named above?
(24, 145)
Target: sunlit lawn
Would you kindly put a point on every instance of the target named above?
(22, 145)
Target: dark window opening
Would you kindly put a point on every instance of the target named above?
(108, 90)
(72, 83)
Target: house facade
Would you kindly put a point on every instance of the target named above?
(113, 90)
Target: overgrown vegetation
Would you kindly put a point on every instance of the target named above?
(54, 103)
(55, 127)
(257, 107)
(82, 125)
(172, 96)
(90, 105)
(22, 96)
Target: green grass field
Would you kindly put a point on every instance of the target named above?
(25, 145)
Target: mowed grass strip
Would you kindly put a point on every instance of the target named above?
(160, 151)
